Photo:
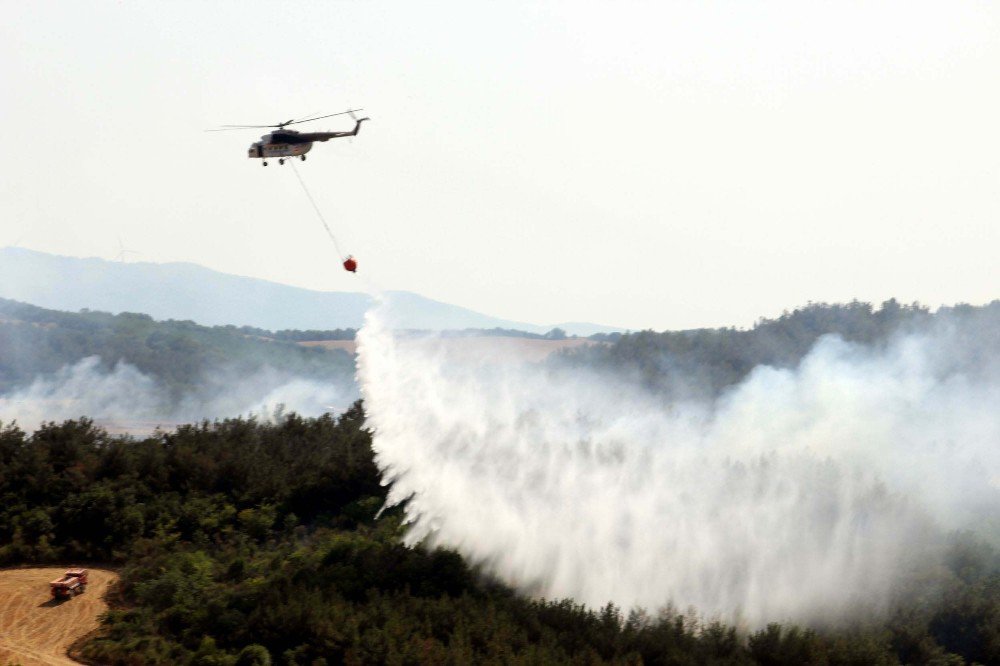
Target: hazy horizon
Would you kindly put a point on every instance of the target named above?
(740, 325)
(189, 291)
(649, 166)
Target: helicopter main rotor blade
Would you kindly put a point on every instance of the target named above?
(226, 128)
(233, 129)
(222, 127)
(309, 120)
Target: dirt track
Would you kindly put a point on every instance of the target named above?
(35, 630)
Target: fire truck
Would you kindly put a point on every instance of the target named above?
(73, 582)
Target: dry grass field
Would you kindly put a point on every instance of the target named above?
(36, 630)
(505, 348)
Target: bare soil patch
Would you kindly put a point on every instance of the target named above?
(36, 630)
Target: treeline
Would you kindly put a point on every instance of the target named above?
(705, 361)
(35, 341)
(554, 334)
(249, 542)
(350, 333)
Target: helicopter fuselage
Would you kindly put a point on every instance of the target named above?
(283, 143)
(263, 149)
(286, 143)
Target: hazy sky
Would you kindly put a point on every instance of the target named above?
(663, 165)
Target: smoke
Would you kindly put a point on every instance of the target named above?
(125, 399)
(84, 389)
(797, 495)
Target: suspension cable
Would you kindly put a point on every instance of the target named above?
(319, 213)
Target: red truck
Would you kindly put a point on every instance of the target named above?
(74, 582)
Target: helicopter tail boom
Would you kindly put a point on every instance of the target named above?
(325, 136)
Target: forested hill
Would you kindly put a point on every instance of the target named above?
(37, 342)
(704, 361)
(248, 543)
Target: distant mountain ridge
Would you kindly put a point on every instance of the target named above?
(187, 291)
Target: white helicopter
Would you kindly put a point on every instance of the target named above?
(284, 143)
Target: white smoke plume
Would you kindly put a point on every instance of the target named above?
(797, 495)
(125, 399)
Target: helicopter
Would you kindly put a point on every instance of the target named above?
(285, 143)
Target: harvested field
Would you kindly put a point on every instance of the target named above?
(346, 345)
(36, 630)
(499, 348)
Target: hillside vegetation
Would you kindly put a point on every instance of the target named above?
(254, 543)
(178, 354)
(702, 362)
(264, 542)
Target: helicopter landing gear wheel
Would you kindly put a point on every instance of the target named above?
(303, 158)
(265, 163)
(281, 161)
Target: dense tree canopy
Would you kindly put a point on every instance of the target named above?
(246, 541)
(249, 542)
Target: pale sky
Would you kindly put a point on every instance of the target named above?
(647, 165)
